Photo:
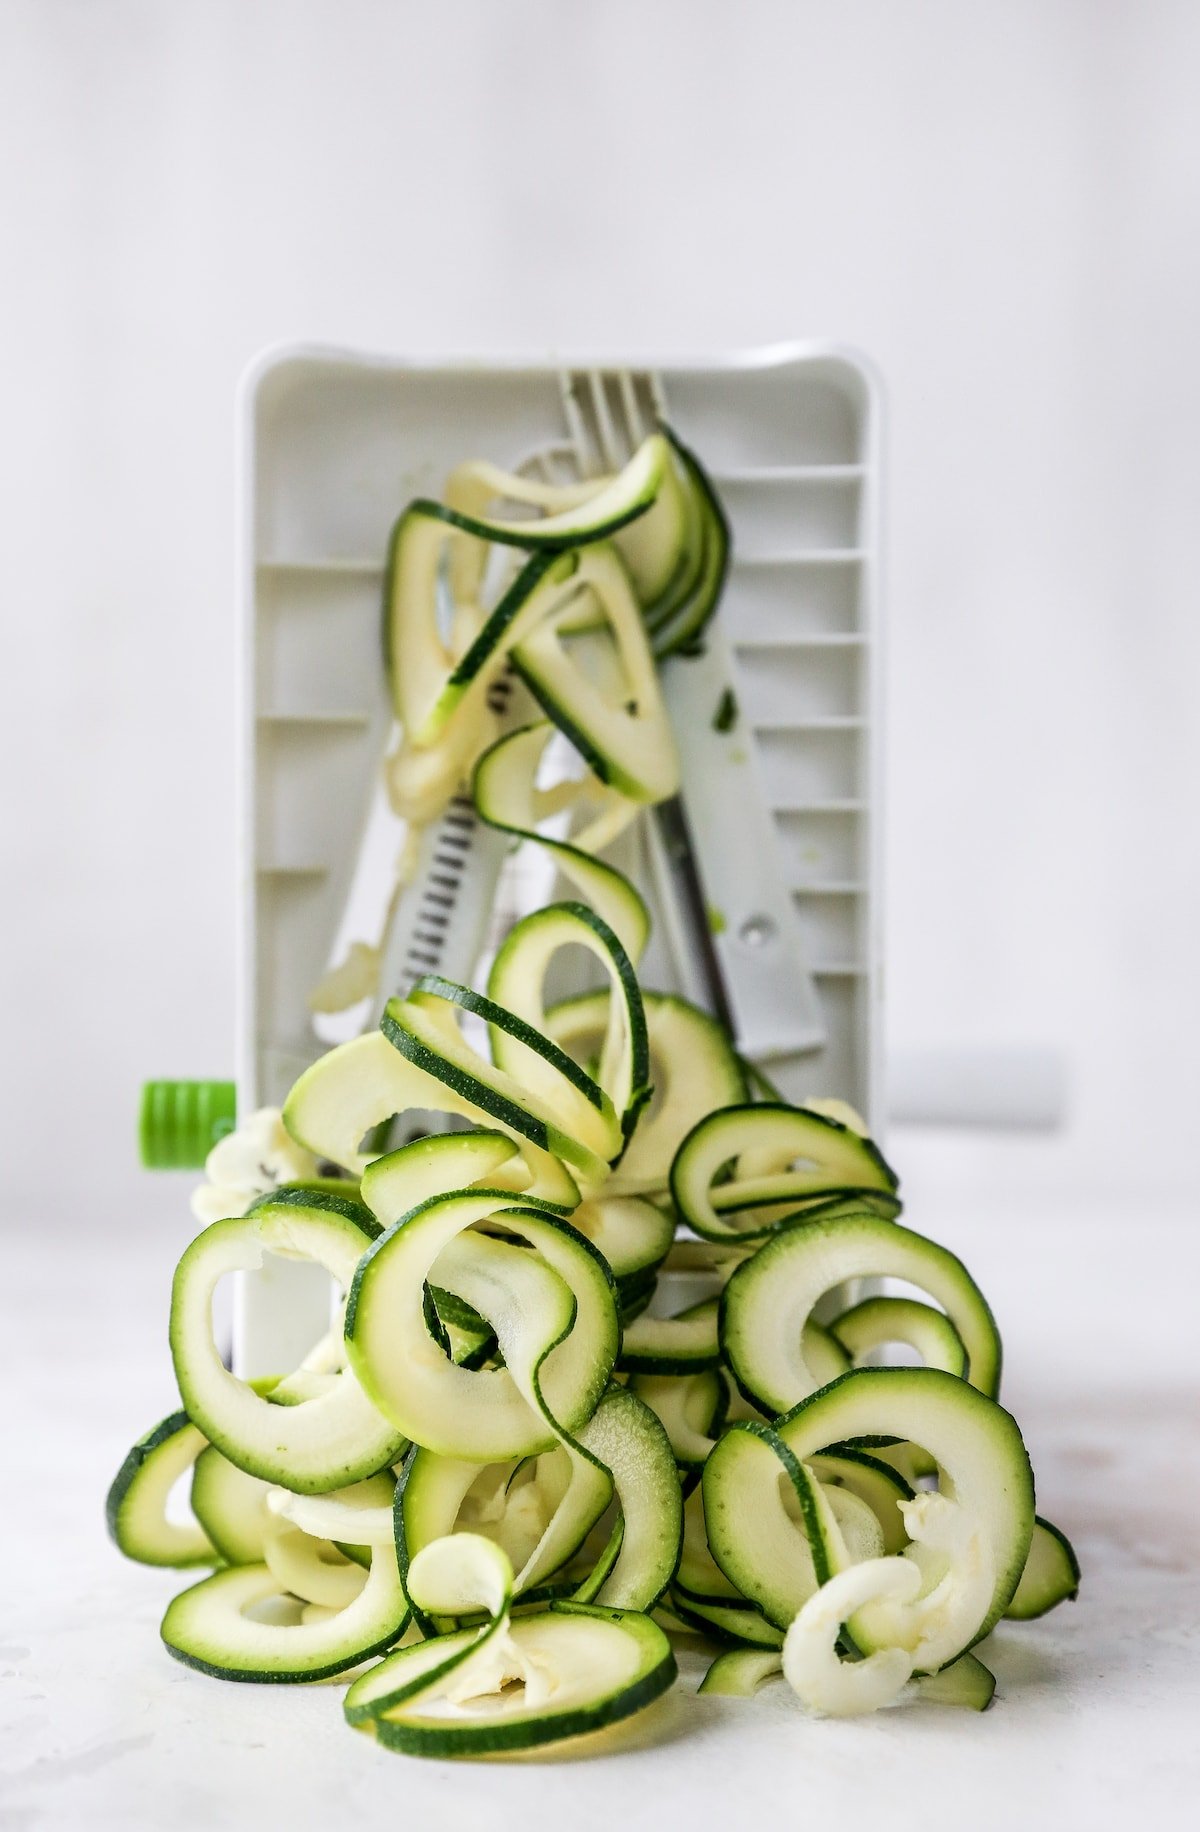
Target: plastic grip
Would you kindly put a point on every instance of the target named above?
(181, 1121)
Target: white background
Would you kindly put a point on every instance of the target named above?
(998, 201)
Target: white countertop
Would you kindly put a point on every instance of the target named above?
(1097, 1704)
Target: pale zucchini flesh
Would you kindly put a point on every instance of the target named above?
(1050, 1576)
(693, 1069)
(231, 1506)
(211, 1625)
(136, 1507)
(771, 1297)
(505, 795)
(605, 1666)
(324, 1443)
(740, 1161)
(977, 1446)
(559, 1332)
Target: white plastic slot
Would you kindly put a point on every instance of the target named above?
(291, 952)
(306, 715)
(317, 647)
(845, 1060)
(841, 805)
(757, 416)
(803, 556)
(802, 767)
(279, 869)
(773, 514)
(823, 848)
(831, 921)
(309, 787)
(798, 640)
(350, 443)
(787, 473)
(783, 684)
(779, 600)
(316, 569)
(363, 915)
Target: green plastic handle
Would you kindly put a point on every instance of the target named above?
(181, 1121)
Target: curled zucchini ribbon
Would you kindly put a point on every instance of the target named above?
(536, 1447)
(745, 1172)
(507, 796)
(919, 1611)
(515, 1683)
(310, 1606)
(602, 559)
(571, 1125)
(693, 1070)
(331, 1434)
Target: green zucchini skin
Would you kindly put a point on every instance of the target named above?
(321, 1199)
(627, 741)
(478, 1093)
(740, 1672)
(678, 622)
(638, 485)
(488, 1089)
(627, 1437)
(562, 924)
(189, 1636)
(523, 1731)
(134, 1508)
(691, 1063)
(359, 1086)
(427, 528)
(511, 1025)
(504, 616)
(385, 1331)
(364, 1702)
(880, 1320)
(719, 1514)
(771, 1295)
(774, 1556)
(1050, 1577)
(974, 1440)
(734, 1624)
(966, 1682)
(655, 1347)
(334, 1440)
(848, 1167)
(874, 1482)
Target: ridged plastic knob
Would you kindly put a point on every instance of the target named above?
(181, 1121)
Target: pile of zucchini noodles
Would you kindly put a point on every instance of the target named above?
(503, 1469)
